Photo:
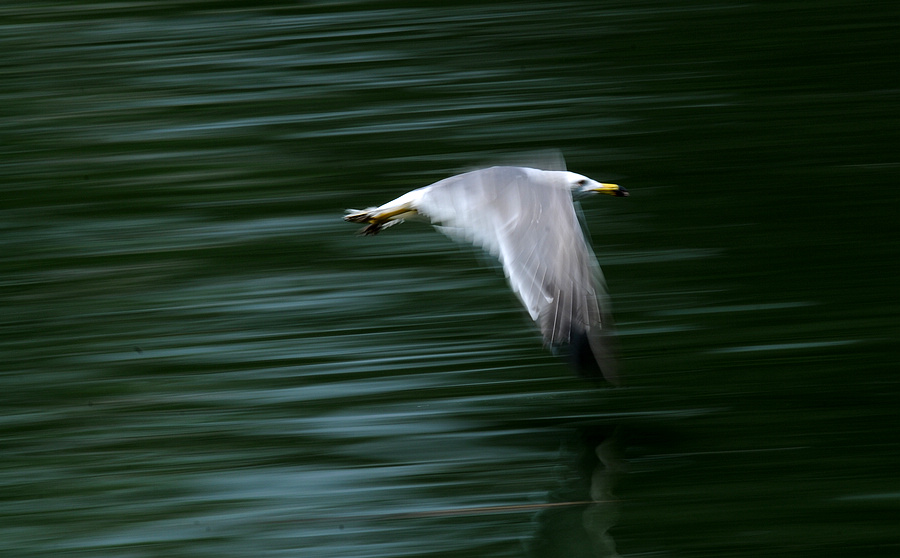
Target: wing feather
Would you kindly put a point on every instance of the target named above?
(526, 218)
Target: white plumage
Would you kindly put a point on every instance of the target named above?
(527, 219)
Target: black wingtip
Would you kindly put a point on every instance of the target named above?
(593, 359)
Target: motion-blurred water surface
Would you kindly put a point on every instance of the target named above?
(201, 359)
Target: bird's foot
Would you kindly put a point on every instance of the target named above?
(376, 222)
(359, 215)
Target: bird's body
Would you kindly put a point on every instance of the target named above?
(526, 218)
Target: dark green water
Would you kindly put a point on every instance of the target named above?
(200, 359)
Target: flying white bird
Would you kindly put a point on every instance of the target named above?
(527, 219)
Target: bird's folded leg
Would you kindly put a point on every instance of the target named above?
(377, 219)
(375, 228)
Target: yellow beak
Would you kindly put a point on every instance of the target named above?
(611, 189)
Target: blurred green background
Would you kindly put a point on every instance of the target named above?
(199, 358)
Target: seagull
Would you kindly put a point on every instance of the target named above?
(528, 220)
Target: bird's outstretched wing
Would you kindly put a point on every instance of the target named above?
(526, 218)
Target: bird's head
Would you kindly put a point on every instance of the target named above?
(582, 186)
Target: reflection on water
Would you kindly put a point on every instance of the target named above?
(200, 359)
(584, 507)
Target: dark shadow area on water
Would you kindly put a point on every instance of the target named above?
(583, 507)
(586, 500)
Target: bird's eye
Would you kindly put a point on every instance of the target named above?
(582, 182)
